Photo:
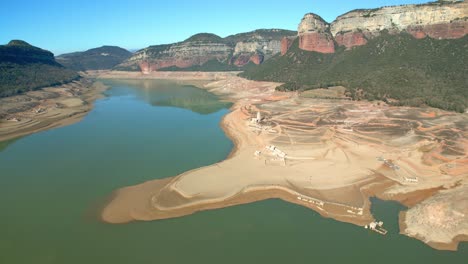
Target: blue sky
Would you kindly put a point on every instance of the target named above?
(67, 25)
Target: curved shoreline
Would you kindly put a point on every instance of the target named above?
(346, 200)
(181, 195)
(452, 246)
(47, 108)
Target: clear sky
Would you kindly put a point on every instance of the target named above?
(71, 25)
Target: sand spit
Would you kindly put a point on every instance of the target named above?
(327, 155)
(47, 108)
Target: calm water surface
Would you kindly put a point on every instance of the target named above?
(52, 183)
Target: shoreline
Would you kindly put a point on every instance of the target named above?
(181, 195)
(47, 108)
(452, 246)
(421, 221)
(318, 144)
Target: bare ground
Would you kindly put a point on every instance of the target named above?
(338, 154)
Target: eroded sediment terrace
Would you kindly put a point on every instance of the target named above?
(328, 155)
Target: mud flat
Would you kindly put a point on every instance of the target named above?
(47, 108)
(327, 155)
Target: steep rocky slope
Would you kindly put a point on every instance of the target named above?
(397, 69)
(438, 20)
(256, 46)
(314, 34)
(405, 55)
(102, 58)
(24, 67)
(196, 50)
(228, 53)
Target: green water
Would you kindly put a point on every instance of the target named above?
(52, 183)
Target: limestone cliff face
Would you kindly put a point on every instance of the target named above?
(314, 34)
(256, 51)
(186, 55)
(438, 20)
(196, 50)
(238, 50)
(257, 46)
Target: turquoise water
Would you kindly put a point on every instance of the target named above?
(52, 184)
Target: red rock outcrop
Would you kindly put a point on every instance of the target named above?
(318, 42)
(240, 60)
(453, 30)
(350, 39)
(145, 67)
(243, 59)
(438, 20)
(286, 43)
(240, 49)
(257, 59)
(314, 35)
(442, 20)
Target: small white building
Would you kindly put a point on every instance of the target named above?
(277, 152)
(412, 179)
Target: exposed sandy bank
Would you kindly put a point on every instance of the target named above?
(440, 221)
(47, 108)
(207, 76)
(338, 153)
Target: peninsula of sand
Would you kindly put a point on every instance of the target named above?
(328, 155)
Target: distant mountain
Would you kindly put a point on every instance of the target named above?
(24, 67)
(406, 55)
(209, 52)
(103, 58)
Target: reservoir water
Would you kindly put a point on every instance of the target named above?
(52, 184)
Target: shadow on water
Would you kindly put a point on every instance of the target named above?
(53, 184)
(5, 144)
(162, 93)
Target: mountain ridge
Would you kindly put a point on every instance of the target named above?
(101, 58)
(24, 67)
(438, 20)
(232, 52)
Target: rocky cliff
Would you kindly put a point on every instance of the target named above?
(232, 52)
(314, 34)
(257, 46)
(286, 43)
(440, 20)
(437, 20)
